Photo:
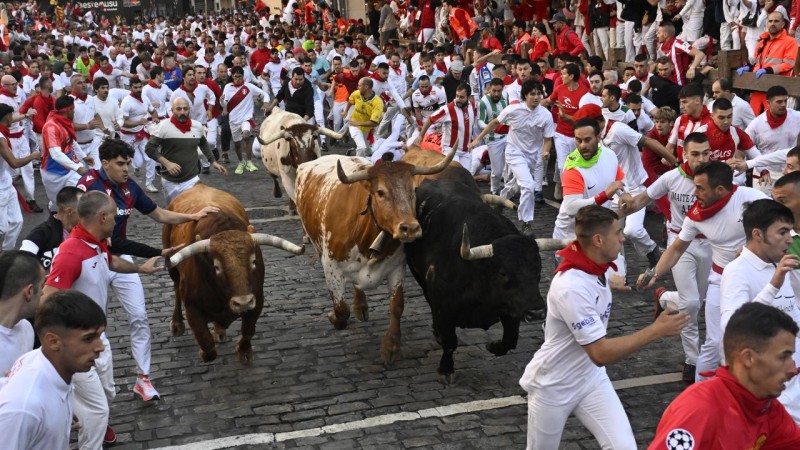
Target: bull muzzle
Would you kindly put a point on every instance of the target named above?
(408, 232)
(240, 304)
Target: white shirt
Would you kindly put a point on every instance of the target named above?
(680, 189)
(6, 180)
(15, 127)
(28, 84)
(160, 95)
(624, 141)
(724, 230)
(133, 110)
(428, 104)
(273, 71)
(398, 80)
(113, 77)
(457, 126)
(35, 405)
(578, 307)
(622, 114)
(244, 110)
(527, 127)
(590, 99)
(84, 113)
(768, 139)
(107, 110)
(14, 342)
(513, 91)
(747, 279)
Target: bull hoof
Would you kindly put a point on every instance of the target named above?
(244, 352)
(390, 349)
(177, 327)
(209, 355)
(362, 313)
(497, 348)
(446, 378)
(220, 334)
(277, 194)
(340, 323)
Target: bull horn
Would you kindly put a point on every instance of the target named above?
(491, 199)
(330, 133)
(553, 244)
(361, 175)
(473, 253)
(189, 251)
(274, 137)
(440, 166)
(274, 241)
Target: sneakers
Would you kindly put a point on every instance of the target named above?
(240, 168)
(658, 308)
(225, 158)
(538, 197)
(110, 436)
(654, 256)
(145, 388)
(250, 166)
(558, 194)
(527, 229)
(150, 188)
(689, 373)
(34, 206)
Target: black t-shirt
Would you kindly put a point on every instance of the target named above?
(46, 237)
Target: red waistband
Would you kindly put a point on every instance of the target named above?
(717, 268)
(699, 236)
(16, 135)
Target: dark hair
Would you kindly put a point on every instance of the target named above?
(593, 219)
(633, 99)
(573, 70)
(240, 71)
(691, 90)
(5, 110)
(495, 81)
(156, 71)
(530, 86)
(423, 78)
(722, 104)
(752, 326)
(295, 71)
(695, 138)
(725, 84)
(718, 173)
(792, 177)
(634, 85)
(775, 91)
(114, 148)
(761, 214)
(99, 82)
(588, 122)
(65, 101)
(598, 73)
(641, 57)
(68, 309)
(613, 91)
(463, 87)
(18, 269)
(68, 196)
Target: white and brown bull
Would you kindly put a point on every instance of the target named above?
(344, 203)
(219, 275)
(286, 142)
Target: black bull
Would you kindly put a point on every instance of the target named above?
(493, 283)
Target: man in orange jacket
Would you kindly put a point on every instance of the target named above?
(462, 27)
(776, 54)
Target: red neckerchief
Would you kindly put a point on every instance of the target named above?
(241, 83)
(183, 127)
(398, 70)
(699, 214)
(106, 71)
(276, 60)
(85, 60)
(190, 91)
(83, 234)
(153, 84)
(377, 77)
(81, 97)
(4, 91)
(574, 258)
(139, 97)
(704, 115)
(64, 122)
(6, 132)
(775, 122)
(686, 170)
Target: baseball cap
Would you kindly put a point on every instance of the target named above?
(457, 66)
(558, 17)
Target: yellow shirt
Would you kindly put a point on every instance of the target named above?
(366, 110)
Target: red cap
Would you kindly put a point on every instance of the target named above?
(591, 110)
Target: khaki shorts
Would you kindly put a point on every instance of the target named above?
(241, 130)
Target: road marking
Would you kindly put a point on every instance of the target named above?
(388, 419)
(556, 205)
(274, 219)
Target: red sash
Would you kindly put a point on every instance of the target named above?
(238, 97)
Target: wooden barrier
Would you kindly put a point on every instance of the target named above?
(749, 82)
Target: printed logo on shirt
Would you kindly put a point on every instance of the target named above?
(583, 323)
(680, 439)
(124, 212)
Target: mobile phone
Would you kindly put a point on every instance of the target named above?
(794, 249)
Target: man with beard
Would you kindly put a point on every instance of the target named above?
(174, 145)
(200, 97)
(596, 83)
(773, 130)
(238, 101)
(135, 112)
(457, 119)
(530, 140)
(492, 105)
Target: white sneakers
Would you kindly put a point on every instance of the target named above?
(145, 388)
(150, 188)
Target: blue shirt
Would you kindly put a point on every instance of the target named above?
(173, 78)
(436, 74)
(128, 196)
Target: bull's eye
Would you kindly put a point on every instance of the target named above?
(217, 269)
(253, 265)
(380, 193)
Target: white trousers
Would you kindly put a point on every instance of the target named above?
(386, 127)
(336, 115)
(140, 158)
(497, 155)
(692, 28)
(10, 218)
(691, 279)
(631, 39)
(521, 166)
(94, 392)
(93, 149)
(597, 407)
(601, 41)
(424, 35)
(564, 145)
(729, 36)
(585, 41)
(463, 158)
(212, 129)
(53, 183)
(710, 350)
(319, 116)
(649, 38)
(172, 190)
(20, 148)
(751, 37)
(129, 291)
(360, 139)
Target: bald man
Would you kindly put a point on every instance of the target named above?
(174, 145)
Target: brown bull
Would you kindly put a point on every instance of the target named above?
(219, 275)
(344, 204)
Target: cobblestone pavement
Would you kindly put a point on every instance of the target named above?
(306, 375)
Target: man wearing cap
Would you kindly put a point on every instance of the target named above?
(567, 40)
(453, 78)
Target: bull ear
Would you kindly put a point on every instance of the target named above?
(251, 229)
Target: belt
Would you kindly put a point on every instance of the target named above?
(717, 268)
(138, 135)
(87, 142)
(676, 231)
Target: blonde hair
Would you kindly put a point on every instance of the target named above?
(665, 113)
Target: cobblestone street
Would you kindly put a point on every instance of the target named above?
(306, 376)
